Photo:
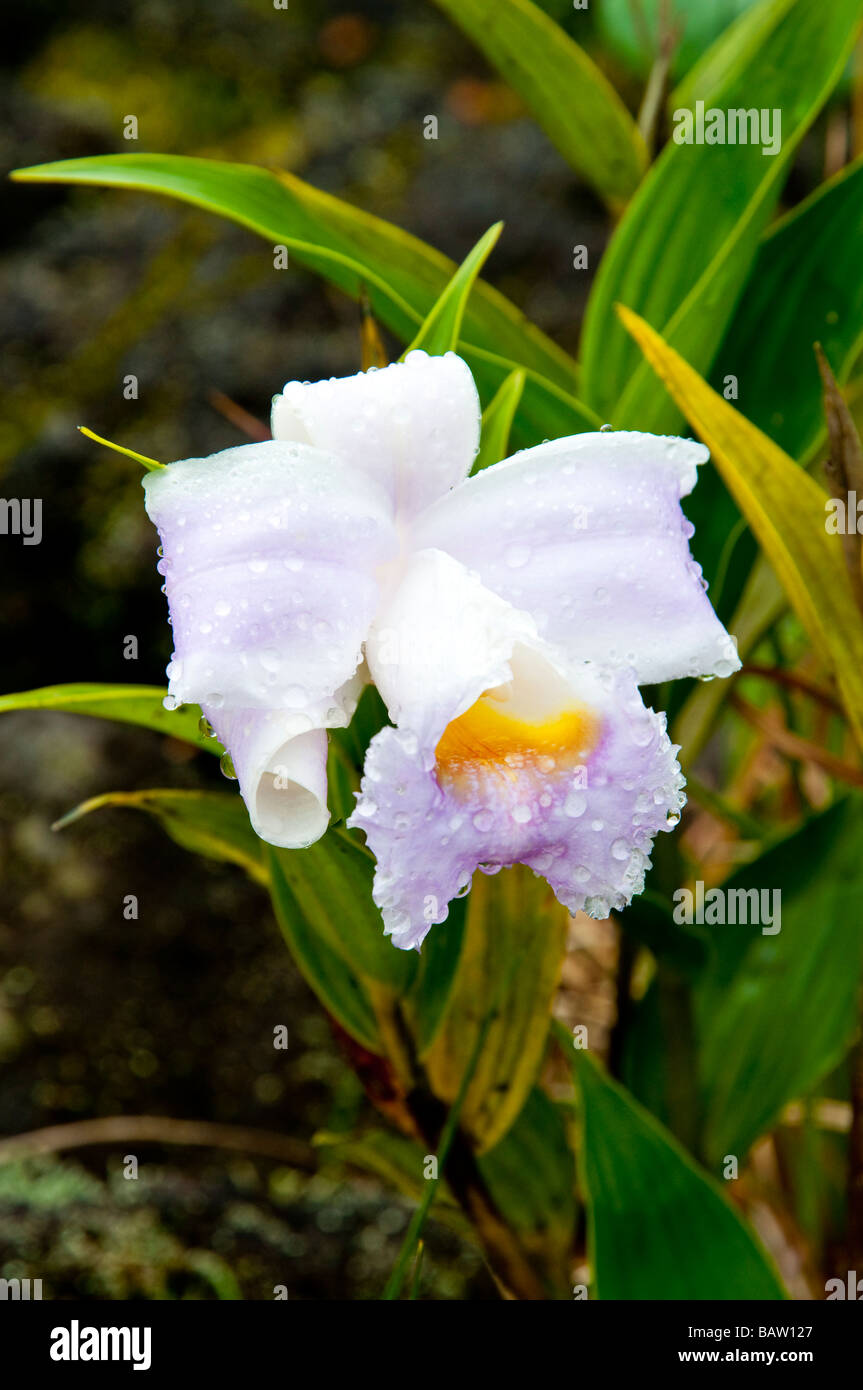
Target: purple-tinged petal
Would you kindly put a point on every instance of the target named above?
(280, 761)
(586, 825)
(270, 559)
(505, 752)
(588, 536)
(412, 427)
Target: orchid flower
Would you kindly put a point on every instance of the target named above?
(507, 620)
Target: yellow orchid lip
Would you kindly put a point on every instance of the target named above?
(486, 739)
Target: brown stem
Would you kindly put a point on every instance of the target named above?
(793, 746)
(157, 1129)
(794, 681)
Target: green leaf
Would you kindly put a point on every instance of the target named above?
(734, 46)
(426, 1004)
(806, 287)
(441, 329)
(761, 605)
(509, 967)
(786, 510)
(128, 704)
(530, 1174)
(631, 32)
(402, 276)
(568, 94)
(682, 253)
(649, 921)
(214, 824)
(339, 989)
(497, 421)
(658, 1226)
(778, 1012)
(331, 884)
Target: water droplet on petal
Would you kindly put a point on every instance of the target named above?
(575, 804)
(227, 767)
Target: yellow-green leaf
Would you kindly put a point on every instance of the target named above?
(509, 967)
(213, 824)
(128, 704)
(785, 508)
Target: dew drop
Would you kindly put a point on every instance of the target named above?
(575, 804)
(227, 767)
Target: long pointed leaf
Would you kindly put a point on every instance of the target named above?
(128, 704)
(780, 1010)
(658, 1226)
(684, 249)
(786, 510)
(359, 253)
(568, 94)
(441, 329)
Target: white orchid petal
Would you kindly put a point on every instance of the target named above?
(280, 761)
(270, 558)
(439, 642)
(412, 427)
(588, 536)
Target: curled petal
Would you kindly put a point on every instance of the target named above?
(412, 427)
(270, 559)
(279, 758)
(587, 534)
